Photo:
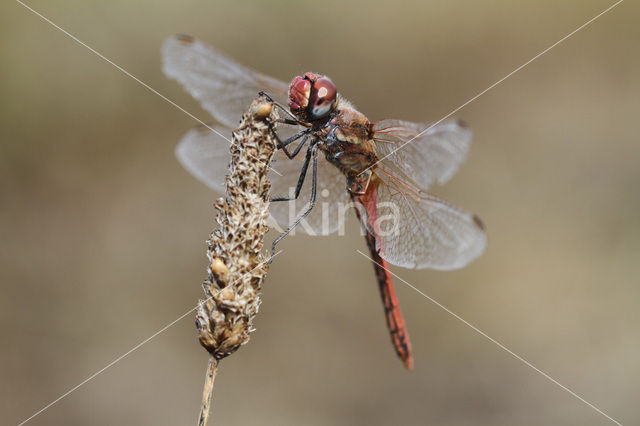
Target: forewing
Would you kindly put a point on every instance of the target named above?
(426, 154)
(204, 152)
(419, 230)
(223, 86)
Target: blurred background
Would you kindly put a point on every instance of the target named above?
(103, 232)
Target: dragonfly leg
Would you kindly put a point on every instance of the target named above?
(283, 143)
(303, 173)
(287, 121)
(282, 107)
(297, 149)
(313, 150)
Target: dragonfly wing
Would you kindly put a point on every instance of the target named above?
(223, 86)
(419, 230)
(204, 152)
(426, 153)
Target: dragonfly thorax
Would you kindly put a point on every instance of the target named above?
(346, 143)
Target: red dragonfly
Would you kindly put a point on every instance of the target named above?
(386, 165)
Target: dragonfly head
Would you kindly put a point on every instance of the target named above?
(312, 96)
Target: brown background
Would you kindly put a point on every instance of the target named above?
(103, 232)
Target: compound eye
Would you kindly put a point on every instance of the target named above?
(323, 98)
(325, 91)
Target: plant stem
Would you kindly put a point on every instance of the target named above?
(207, 392)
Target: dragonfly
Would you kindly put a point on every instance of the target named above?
(383, 169)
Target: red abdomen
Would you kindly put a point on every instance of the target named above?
(367, 213)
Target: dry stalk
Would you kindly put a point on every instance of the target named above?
(237, 266)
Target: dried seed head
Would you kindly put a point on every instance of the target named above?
(219, 269)
(263, 110)
(237, 266)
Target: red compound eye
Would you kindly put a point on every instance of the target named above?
(299, 91)
(325, 91)
(323, 97)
